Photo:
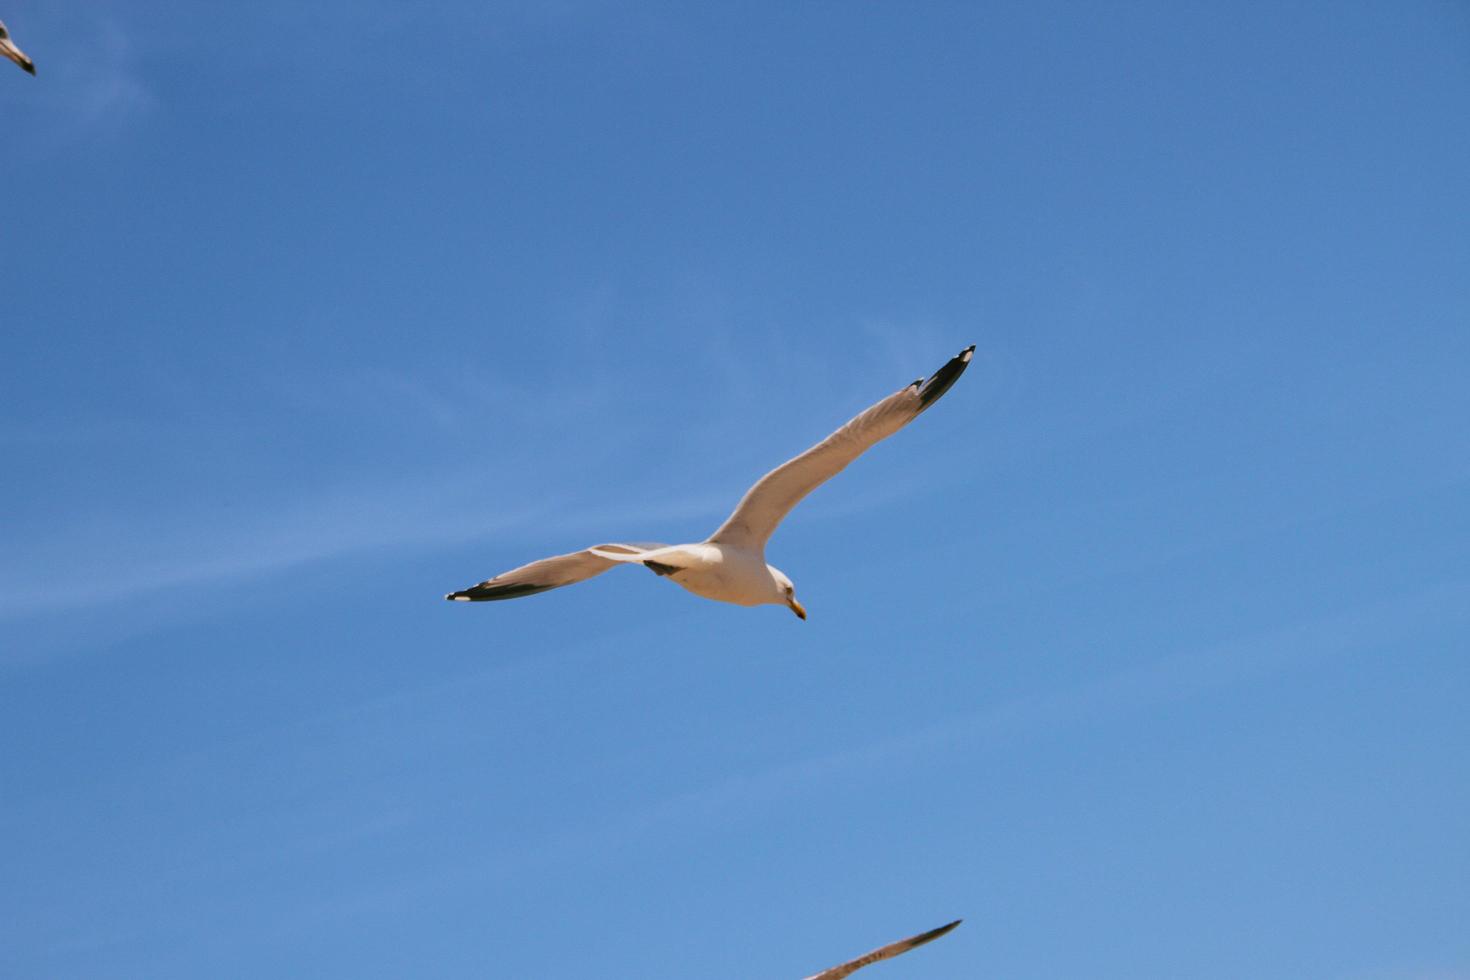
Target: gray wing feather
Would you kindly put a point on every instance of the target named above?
(765, 505)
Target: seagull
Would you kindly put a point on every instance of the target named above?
(9, 50)
(883, 953)
(730, 565)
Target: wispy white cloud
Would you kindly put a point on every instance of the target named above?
(101, 560)
(113, 552)
(96, 562)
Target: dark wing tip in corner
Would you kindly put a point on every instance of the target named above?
(485, 592)
(946, 376)
(932, 934)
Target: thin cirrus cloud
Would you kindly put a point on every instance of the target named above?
(233, 513)
(140, 558)
(150, 555)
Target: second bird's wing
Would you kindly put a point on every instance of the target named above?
(883, 953)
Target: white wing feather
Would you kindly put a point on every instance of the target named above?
(765, 505)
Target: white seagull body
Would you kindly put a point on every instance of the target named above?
(9, 50)
(892, 949)
(730, 565)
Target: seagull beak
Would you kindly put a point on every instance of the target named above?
(796, 607)
(16, 55)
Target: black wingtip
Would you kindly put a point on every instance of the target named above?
(28, 68)
(933, 934)
(941, 380)
(485, 592)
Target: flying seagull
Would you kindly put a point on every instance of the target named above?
(892, 949)
(730, 565)
(9, 50)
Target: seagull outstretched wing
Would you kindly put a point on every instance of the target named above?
(771, 499)
(554, 572)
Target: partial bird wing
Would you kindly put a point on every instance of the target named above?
(9, 50)
(554, 572)
(892, 949)
(771, 499)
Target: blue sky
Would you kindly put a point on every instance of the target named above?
(1144, 652)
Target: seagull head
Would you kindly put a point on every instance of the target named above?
(786, 591)
(9, 50)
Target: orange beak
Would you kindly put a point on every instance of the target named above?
(796, 607)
